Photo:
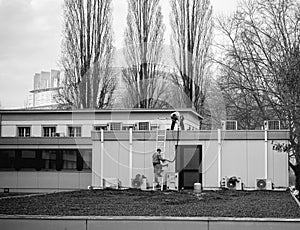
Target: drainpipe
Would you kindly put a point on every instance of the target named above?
(0, 124)
(266, 152)
(219, 157)
(130, 156)
(101, 158)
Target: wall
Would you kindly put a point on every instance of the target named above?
(28, 180)
(33, 181)
(145, 223)
(242, 155)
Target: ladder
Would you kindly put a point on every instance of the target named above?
(161, 135)
(161, 140)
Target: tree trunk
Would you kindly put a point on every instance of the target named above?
(296, 169)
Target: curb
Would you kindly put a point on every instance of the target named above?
(149, 218)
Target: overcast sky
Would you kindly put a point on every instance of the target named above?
(30, 40)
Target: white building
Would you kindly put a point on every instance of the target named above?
(46, 85)
(50, 150)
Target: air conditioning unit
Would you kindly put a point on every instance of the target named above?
(232, 183)
(112, 183)
(263, 184)
(172, 181)
(272, 125)
(229, 125)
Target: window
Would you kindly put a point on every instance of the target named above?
(7, 159)
(128, 126)
(143, 125)
(69, 159)
(231, 125)
(273, 125)
(49, 159)
(84, 159)
(74, 131)
(49, 131)
(115, 126)
(87, 158)
(24, 131)
(27, 159)
(99, 127)
(154, 127)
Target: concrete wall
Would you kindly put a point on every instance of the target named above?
(33, 181)
(145, 223)
(242, 154)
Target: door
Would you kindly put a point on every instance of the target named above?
(189, 165)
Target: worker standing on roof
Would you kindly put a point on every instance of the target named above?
(175, 117)
(156, 160)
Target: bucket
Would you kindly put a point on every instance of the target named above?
(197, 187)
(144, 184)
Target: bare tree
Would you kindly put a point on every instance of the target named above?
(144, 76)
(191, 23)
(261, 74)
(87, 54)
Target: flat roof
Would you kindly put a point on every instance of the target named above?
(134, 110)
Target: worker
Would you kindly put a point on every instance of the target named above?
(175, 117)
(181, 122)
(156, 160)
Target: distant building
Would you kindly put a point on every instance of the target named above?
(45, 89)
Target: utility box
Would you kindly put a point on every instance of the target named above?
(172, 181)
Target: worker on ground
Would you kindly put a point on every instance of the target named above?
(156, 160)
(175, 117)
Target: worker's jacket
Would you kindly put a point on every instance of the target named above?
(156, 158)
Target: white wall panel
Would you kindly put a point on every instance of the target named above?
(36, 131)
(27, 179)
(8, 130)
(86, 130)
(255, 162)
(48, 179)
(139, 155)
(85, 179)
(234, 159)
(110, 160)
(123, 171)
(68, 180)
(8, 179)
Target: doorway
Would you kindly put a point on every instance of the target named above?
(189, 165)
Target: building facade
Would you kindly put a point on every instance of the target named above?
(50, 150)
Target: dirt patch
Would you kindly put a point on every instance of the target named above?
(156, 203)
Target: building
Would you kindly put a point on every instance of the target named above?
(50, 150)
(45, 89)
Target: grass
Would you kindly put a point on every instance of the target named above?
(132, 202)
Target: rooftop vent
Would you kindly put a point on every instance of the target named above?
(229, 125)
(272, 125)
